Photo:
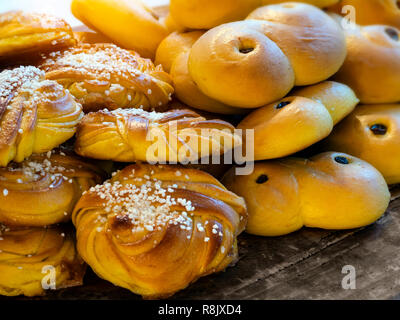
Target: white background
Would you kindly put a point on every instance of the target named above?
(60, 8)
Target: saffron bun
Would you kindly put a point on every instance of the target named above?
(24, 36)
(129, 135)
(173, 54)
(317, 3)
(28, 256)
(383, 12)
(44, 189)
(371, 132)
(129, 23)
(106, 76)
(372, 65)
(36, 115)
(297, 122)
(200, 14)
(184, 227)
(329, 191)
(251, 63)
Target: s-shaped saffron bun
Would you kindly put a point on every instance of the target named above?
(297, 122)
(44, 189)
(173, 55)
(129, 23)
(156, 229)
(372, 65)
(106, 76)
(129, 135)
(32, 258)
(384, 12)
(24, 36)
(372, 133)
(36, 115)
(251, 63)
(329, 191)
(207, 14)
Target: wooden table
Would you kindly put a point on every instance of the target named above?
(304, 265)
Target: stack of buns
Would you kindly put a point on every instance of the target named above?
(80, 111)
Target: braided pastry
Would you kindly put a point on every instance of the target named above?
(156, 229)
(372, 65)
(129, 135)
(43, 189)
(23, 36)
(297, 122)
(129, 23)
(248, 64)
(385, 12)
(329, 191)
(28, 255)
(106, 76)
(372, 133)
(36, 115)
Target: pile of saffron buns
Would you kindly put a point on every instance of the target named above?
(319, 91)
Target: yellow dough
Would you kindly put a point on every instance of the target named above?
(298, 121)
(372, 133)
(329, 191)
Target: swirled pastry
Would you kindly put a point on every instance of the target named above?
(372, 65)
(36, 115)
(43, 189)
(24, 36)
(129, 135)
(33, 260)
(156, 229)
(106, 76)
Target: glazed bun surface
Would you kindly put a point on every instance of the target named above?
(329, 191)
(372, 65)
(251, 63)
(371, 132)
(298, 121)
(206, 14)
(384, 12)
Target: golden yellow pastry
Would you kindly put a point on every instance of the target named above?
(43, 189)
(156, 229)
(329, 191)
(129, 135)
(129, 23)
(106, 76)
(36, 115)
(24, 36)
(367, 12)
(372, 133)
(251, 63)
(173, 54)
(206, 14)
(317, 3)
(91, 37)
(372, 65)
(33, 260)
(297, 122)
